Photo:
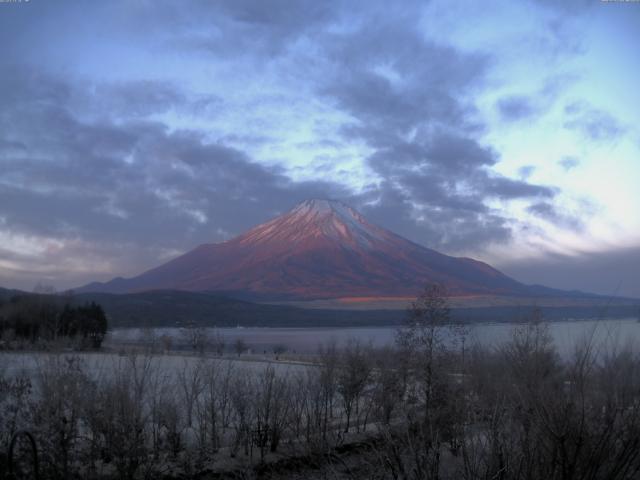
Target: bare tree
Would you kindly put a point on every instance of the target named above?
(423, 337)
(196, 337)
(298, 402)
(167, 342)
(388, 384)
(213, 406)
(415, 445)
(191, 385)
(148, 338)
(15, 392)
(121, 417)
(327, 386)
(271, 409)
(279, 350)
(172, 424)
(62, 385)
(241, 396)
(353, 376)
(218, 343)
(240, 346)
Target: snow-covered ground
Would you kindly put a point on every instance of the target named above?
(101, 365)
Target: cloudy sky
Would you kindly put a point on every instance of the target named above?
(132, 131)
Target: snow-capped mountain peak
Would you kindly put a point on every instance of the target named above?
(318, 249)
(315, 220)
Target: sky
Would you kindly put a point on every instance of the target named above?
(132, 131)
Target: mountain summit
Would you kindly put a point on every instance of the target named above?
(316, 222)
(319, 249)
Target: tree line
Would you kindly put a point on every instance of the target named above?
(38, 319)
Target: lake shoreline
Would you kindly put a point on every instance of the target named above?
(307, 340)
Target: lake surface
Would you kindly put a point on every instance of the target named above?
(566, 335)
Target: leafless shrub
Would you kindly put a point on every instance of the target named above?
(15, 415)
(218, 343)
(273, 405)
(241, 396)
(213, 407)
(121, 417)
(388, 384)
(353, 375)
(166, 342)
(196, 337)
(240, 346)
(63, 386)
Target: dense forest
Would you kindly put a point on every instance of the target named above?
(38, 319)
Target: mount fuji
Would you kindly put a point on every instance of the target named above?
(320, 249)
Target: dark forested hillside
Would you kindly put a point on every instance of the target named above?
(167, 308)
(176, 308)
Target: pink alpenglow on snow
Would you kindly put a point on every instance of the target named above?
(319, 249)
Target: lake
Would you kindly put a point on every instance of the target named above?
(566, 334)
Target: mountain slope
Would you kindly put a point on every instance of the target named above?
(319, 249)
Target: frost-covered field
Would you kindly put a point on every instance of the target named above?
(157, 411)
(165, 415)
(103, 365)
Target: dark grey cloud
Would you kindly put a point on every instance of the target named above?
(551, 213)
(287, 17)
(437, 196)
(569, 163)
(225, 28)
(517, 107)
(521, 107)
(172, 182)
(593, 123)
(425, 84)
(526, 171)
(405, 95)
(34, 90)
(230, 29)
(610, 272)
(452, 226)
(135, 98)
(133, 189)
